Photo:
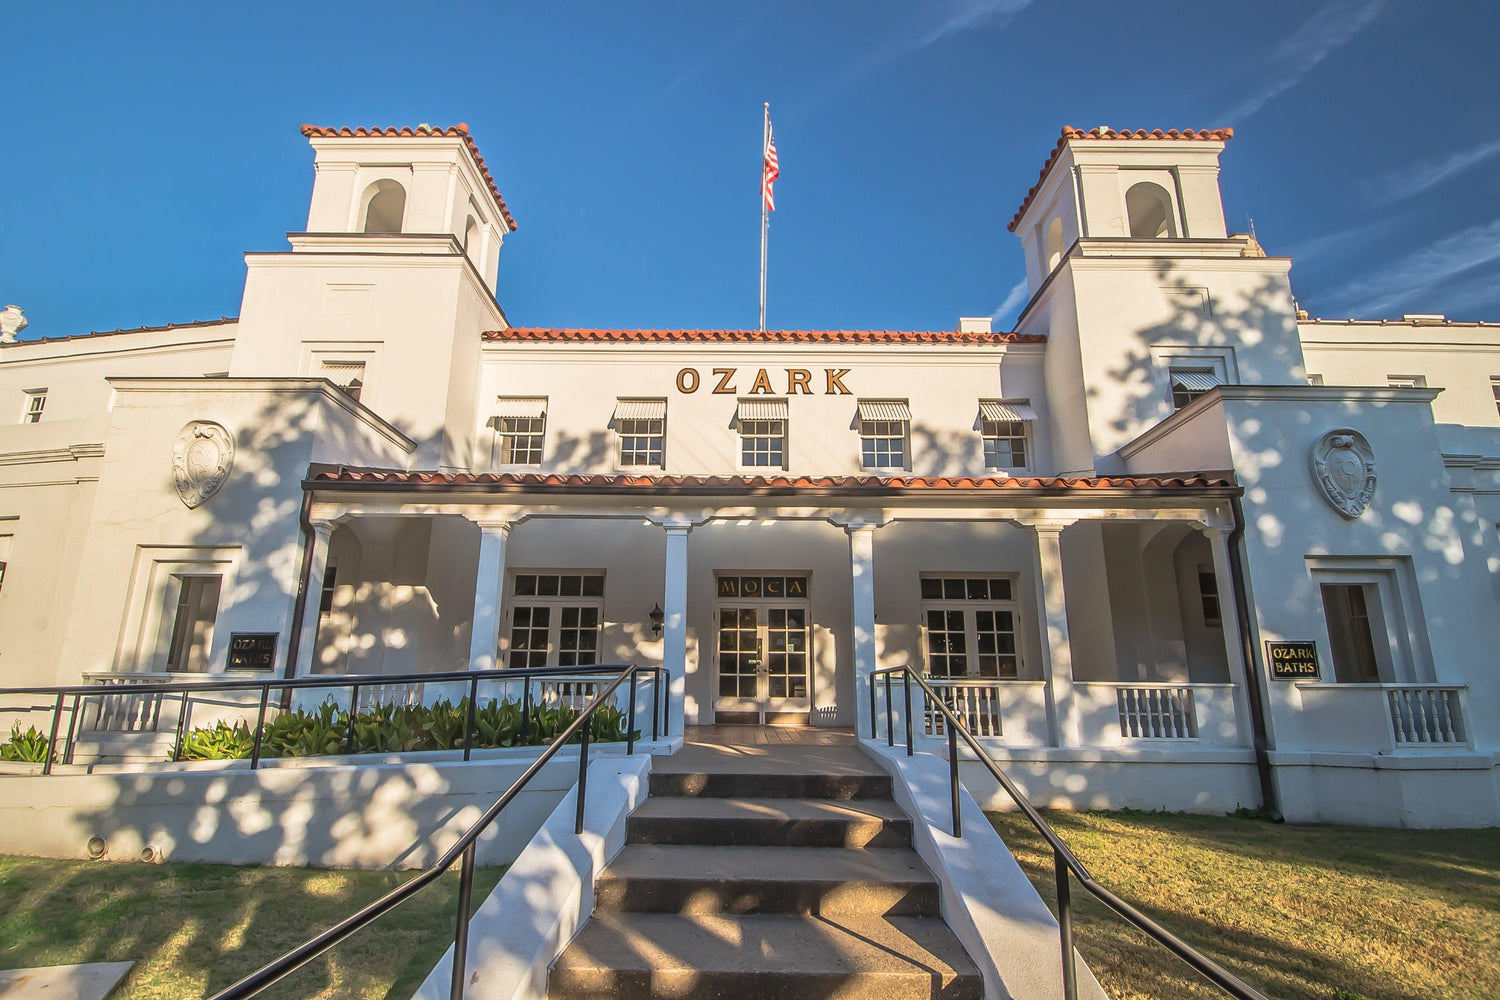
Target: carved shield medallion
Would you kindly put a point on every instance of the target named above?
(201, 458)
(1344, 467)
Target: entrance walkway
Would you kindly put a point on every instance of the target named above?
(806, 736)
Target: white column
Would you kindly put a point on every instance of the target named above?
(307, 641)
(862, 576)
(674, 620)
(1239, 676)
(1057, 647)
(489, 587)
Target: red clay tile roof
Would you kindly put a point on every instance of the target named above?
(1069, 133)
(459, 131)
(139, 329)
(564, 483)
(775, 336)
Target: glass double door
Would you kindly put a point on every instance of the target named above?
(763, 663)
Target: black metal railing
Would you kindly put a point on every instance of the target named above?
(143, 701)
(1064, 862)
(462, 850)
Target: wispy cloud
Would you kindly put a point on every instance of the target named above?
(1411, 181)
(955, 18)
(1330, 246)
(1014, 299)
(1330, 29)
(716, 55)
(1417, 274)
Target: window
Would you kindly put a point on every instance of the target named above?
(193, 623)
(1314, 379)
(385, 207)
(1003, 425)
(642, 428)
(970, 626)
(1150, 210)
(1208, 596)
(1495, 390)
(883, 426)
(1190, 383)
(349, 376)
(1351, 638)
(762, 425)
(330, 583)
(520, 427)
(36, 401)
(1406, 381)
(555, 619)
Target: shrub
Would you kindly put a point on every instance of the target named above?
(30, 747)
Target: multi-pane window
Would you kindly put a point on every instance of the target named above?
(1495, 390)
(883, 428)
(1208, 596)
(520, 428)
(1003, 425)
(763, 443)
(1190, 383)
(36, 402)
(1406, 381)
(555, 619)
(330, 584)
(970, 627)
(641, 425)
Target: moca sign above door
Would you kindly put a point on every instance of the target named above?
(796, 380)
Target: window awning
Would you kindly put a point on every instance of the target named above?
(762, 409)
(640, 409)
(521, 407)
(1194, 379)
(1006, 409)
(884, 409)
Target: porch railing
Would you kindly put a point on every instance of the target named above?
(1427, 715)
(1157, 713)
(1065, 863)
(135, 703)
(976, 701)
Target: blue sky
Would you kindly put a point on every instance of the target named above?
(148, 146)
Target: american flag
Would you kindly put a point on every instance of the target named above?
(769, 173)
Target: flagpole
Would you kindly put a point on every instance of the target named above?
(765, 139)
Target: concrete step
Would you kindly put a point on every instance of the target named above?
(770, 821)
(644, 956)
(761, 880)
(781, 785)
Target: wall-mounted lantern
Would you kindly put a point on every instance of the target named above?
(657, 617)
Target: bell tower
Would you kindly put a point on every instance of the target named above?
(389, 289)
(1146, 299)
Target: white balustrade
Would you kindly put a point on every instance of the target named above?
(1425, 715)
(1157, 713)
(976, 702)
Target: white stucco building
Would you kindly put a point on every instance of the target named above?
(373, 465)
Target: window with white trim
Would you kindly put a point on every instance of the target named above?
(1004, 426)
(520, 428)
(36, 402)
(1208, 596)
(970, 626)
(641, 425)
(884, 426)
(555, 619)
(1495, 390)
(1190, 383)
(197, 607)
(763, 431)
(1406, 381)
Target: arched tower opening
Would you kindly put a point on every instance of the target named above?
(385, 207)
(1149, 208)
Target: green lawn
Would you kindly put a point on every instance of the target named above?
(1301, 912)
(193, 929)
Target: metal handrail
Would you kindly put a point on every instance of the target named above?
(272, 972)
(1064, 861)
(352, 682)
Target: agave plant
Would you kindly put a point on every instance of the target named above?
(221, 742)
(307, 734)
(30, 747)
